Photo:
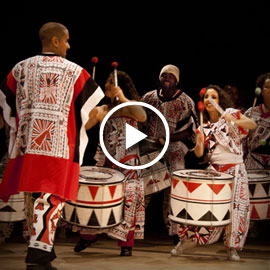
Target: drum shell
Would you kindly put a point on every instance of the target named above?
(13, 209)
(259, 193)
(201, 201)
(98, 205)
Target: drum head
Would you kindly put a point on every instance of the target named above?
(258, 175)
(100, 175)
(203, 174)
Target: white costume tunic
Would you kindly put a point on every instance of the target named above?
(224, 144)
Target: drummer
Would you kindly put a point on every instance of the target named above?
(42, 99)
(179, 111)
(221, 143)
(132, 227)
(258, 142)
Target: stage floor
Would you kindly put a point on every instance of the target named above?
(152, 253)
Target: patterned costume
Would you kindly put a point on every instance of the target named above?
(258, 140)
(225, 154)
(134, 213)
(46, 101)
(257, 148)
(180, 114)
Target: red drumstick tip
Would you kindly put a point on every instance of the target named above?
(200, 106)
(202, 92)
(94, 60)
(114, 64)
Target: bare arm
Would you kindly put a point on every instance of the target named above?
(199, 147)
(243, 122)
(133, 111)
(96, 116)
(92, 120)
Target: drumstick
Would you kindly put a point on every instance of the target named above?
(94, 60)
(201, 109)
(221, 111)
(263, 142)
(115, 65)
(202, 92)
(258, 91)
(218, 108)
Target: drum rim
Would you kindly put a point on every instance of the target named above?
(201, 178)
(95, 227)
(195, 223)
(101, 181)
(262, 179)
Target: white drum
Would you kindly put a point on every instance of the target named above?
(156, 177)
(201, 197)
(100, 199)
(13, 209)
(259, 194)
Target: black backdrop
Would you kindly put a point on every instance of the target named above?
(210, 42)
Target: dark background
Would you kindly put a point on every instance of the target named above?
(218, 42)
(211, 42)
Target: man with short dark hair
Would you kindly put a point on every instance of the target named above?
(46, 101)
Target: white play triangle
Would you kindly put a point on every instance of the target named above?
(133, 136)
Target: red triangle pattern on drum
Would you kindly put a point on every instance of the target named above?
(112, 190)
(174, 182)
(216, 187)
(230, 185)
(93, 190)
(191, 186)
(254, 213)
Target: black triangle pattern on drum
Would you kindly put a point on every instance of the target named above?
(227, 216)
(208, 217)
(7, 209)
(93, 221)
(111, 220)
(266, 187)
(184, 214)
(74, 216)
(251, 188)
(64, 213)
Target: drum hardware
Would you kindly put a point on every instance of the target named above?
(201, 197)
(100, 199)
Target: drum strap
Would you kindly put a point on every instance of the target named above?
(265, 158)
(222, 168)
(125, 159)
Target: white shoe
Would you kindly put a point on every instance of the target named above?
(232, 254)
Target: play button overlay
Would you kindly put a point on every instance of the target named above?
(133, 136)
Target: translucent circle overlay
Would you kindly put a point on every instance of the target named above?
(139, 167)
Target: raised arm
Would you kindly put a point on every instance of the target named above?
(199, 147)
(243, 122)
(133, 111)
(96, 116)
